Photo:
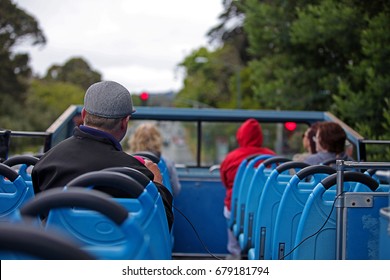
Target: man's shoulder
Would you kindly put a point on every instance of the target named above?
(58, 147)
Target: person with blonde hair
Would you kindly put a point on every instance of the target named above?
(147, 138)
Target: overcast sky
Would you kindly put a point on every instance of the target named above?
(135, 42)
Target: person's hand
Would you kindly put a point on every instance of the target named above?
(155, 170)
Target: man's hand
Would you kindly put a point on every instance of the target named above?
(155, 170)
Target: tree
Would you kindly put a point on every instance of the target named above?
(46, 101)
(76, 71)
(285, 74)
(213, 78)
(230, 31)
(368, 85)
(16, 26)
(322, 55)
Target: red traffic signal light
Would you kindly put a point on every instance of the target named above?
(144, 96)
(290, 126)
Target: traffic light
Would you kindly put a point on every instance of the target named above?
(290, 126)
(144, 96)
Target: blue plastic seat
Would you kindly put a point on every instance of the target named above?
(161, 165)
(361, 213)
(291, 206)
(235, 191)
(248, 175)
(14, 192)
(27, 242)
(359, 187)
(144, 202)
(101, 226)
(316, 232)
(24, 162)
(252, 199)
(268, 207)
(384, 233)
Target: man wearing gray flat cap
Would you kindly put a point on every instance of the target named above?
(95, 145)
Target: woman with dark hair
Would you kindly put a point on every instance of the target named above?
(330, 144)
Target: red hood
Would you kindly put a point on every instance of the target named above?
(250, 134)
(250, 139)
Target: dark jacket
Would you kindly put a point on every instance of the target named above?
(85, 152)
(250, 140)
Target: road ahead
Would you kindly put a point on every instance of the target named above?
(175, 145)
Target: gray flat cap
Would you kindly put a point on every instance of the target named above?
(108, 99)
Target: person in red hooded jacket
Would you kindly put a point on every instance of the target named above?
(250, 140)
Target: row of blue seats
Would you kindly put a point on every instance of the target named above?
(102, 226)
(277, 203)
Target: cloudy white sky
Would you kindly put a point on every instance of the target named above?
(135, 42)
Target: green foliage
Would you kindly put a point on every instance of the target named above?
(16, 26)
(363, 93)
(201, 83)
(300, 55)
(215, 79)
(323, 55)
(50, 99)
(76, 71)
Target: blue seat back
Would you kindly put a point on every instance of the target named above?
(14, 192)
(235, 191)
(150, 214)
(268, 207)
(316, 232)
(146, 207)
(162, 165)
(93, 219)
(359, 187)
(362, 222)
(23, 162)
(22, 241)
(384, 233)
(252, 199)
(249, 172)
(291, 206)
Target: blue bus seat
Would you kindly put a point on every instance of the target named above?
(161, 165)
(363, 188)
(319, 219)
(19, 241)
(252, 200)
(147, 155)
(24, 162)
(253, 165)
(384, 233)
(361, 213)
(268, 207)
(145, 205)
(14, 192)
(236, 188)
(291, 206)
(103, 227)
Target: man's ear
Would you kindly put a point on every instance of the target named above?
(83, 113)
(125, 122)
